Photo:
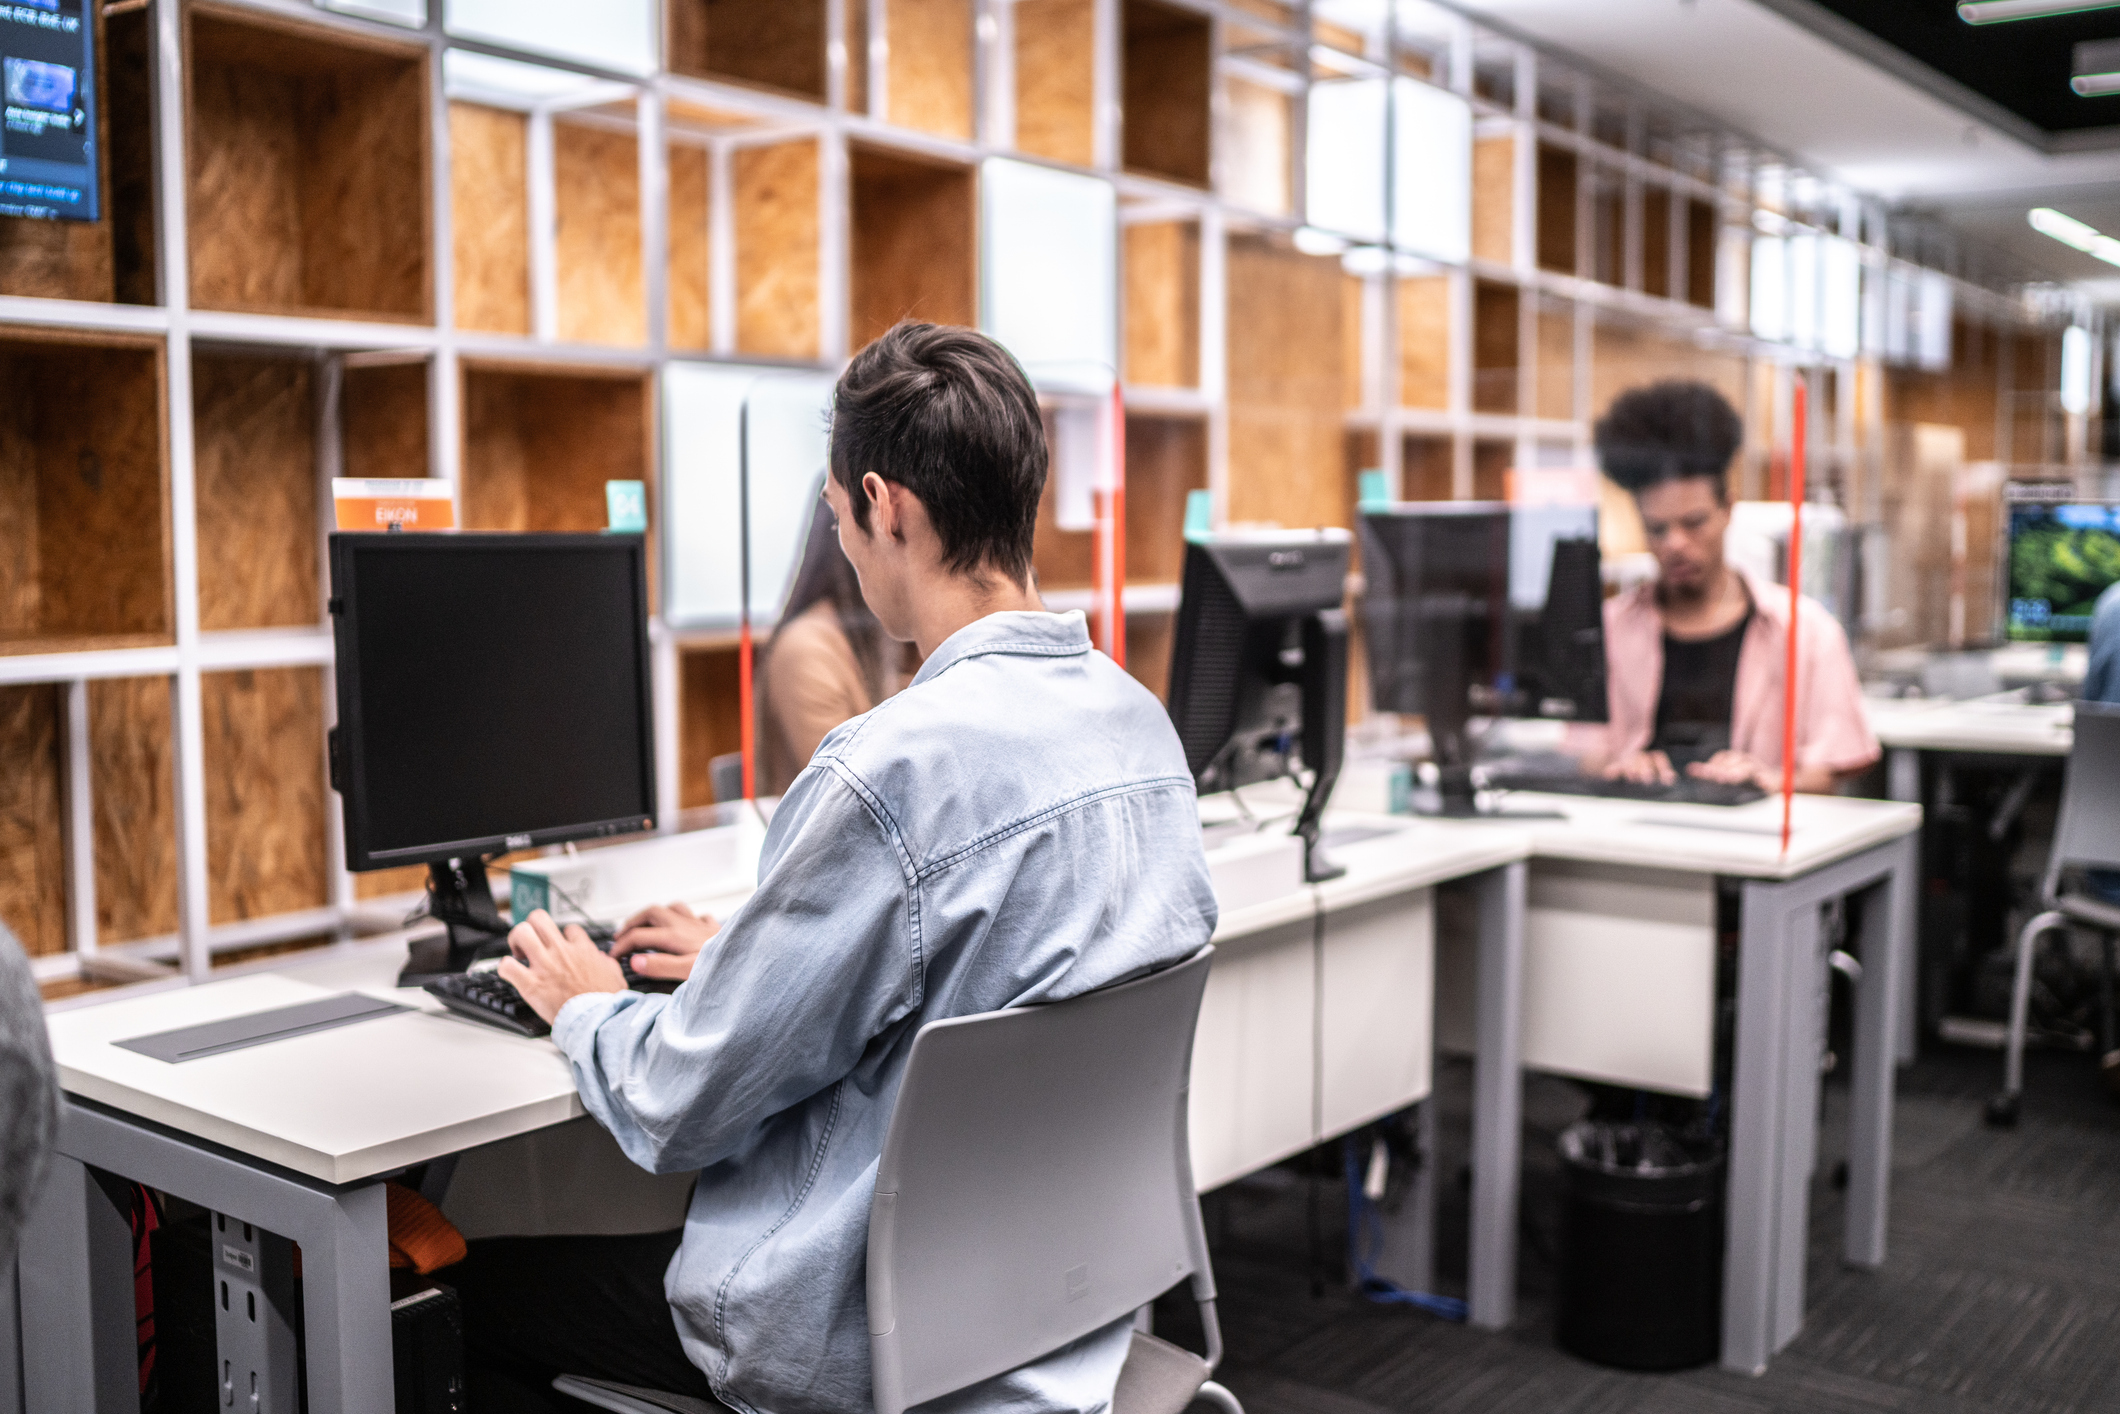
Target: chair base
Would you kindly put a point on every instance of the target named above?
(2002, 1111)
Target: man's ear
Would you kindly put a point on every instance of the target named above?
(883, 506)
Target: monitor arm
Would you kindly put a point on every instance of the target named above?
(1324, 730)
(460, 898)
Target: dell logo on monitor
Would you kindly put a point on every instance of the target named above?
(1285, 560)
(518, 842)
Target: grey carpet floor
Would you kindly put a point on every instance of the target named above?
(2001, 1293)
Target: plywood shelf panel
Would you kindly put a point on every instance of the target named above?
(914, 232)
(690, 247)
(1494, 200)
(306, 169)
(132, 778)
(709, 719)
(83, 483)
(490, 217)
(928, 66)
(1425, 469)
(1166, 460)
(1162, 267)
(771, 44)
(1555, 236)
(779, 230)
(32, 819)
(1424, 341)
(596, 240)
(1056, 114)
(265, 792)
(254, 434)
(1700, 254)
(1494, 346)
(1286, 458)
(1166, 85)
(540, 442)
(111, 259)
(383, 417)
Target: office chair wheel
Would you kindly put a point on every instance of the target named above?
(2002, 1111)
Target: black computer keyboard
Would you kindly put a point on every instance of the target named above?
(1686, 790)
(483, 996)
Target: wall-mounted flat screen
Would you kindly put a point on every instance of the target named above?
(2063, 555)
(48, 143)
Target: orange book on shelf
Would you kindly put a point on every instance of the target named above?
(377, 504)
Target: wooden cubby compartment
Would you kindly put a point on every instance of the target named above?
(1608, 227)
(254, 430)
(914, 227)
(1700, 254)
(1162, 266)
(596, 246)
(265, 792)
(1494, 200)
(1424, 469)
(32, 819)
(1494, 346)
(1166, 461)
(710, 718)
(1424, 341)
(1556, 359)
(489, 205)
(111, 259)
(1287, 385)
(1555, 235)
(1166, 85)
(1491, 461)
(1656, 242)
(84, 494)
(770, 44)
(928, 66)
(540, 442)
(1056, 113)
(307, 169)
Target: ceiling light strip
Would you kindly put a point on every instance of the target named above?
(1988, 12)
(2071, 232)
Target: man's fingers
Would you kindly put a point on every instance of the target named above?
(663, 966)
(683, 912)
(635, 940)
(513, 973)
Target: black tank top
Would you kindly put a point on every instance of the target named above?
(1699, 691)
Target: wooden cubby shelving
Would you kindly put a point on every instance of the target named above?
(307, 166)
(381, 276)
(84, 496)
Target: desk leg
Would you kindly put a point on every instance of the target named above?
(1497, 1096)
(1887, 978)
(1754, 1207)
(343, 1234)
(79, 1350)
(1803, 936)
(1903, 782)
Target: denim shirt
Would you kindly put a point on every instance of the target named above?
(1017, 826)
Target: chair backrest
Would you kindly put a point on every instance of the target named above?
(1036, 1183)
(2088, 833)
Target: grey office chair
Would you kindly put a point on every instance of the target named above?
(725, 772)
(1035, 1186)
(2086, 837)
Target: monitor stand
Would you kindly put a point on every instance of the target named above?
(460, 898)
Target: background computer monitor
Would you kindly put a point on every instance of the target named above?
(1258, 667)
(493, 694)
(48, 66)
(1480, 608)
(2062, 556)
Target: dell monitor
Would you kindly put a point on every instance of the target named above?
(1258, 668)
(1480, 608)
(2063, 555)
(493, 695)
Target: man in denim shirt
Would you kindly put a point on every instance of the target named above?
(1017, 826)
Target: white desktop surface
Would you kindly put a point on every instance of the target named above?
(1743, 841)
(1979, 725)
(338, 1105)
(1414, 854)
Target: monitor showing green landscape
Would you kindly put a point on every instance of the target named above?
(2062, 557)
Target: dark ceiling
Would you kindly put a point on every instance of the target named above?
(2022, 65)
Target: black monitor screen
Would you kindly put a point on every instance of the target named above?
(48, 146)
(2062, 557)
(493, 692)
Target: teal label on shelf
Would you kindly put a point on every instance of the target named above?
(626, 505)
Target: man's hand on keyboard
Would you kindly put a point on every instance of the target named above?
(664, 940)
(1734, 768)
(1649, 768)
(550, 968)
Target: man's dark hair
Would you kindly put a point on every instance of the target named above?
(947, 414)
(1668, 431)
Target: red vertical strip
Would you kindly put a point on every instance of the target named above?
(743, 710)
(1118, 531)
(1788, 677)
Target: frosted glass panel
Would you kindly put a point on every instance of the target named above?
(1344, 158)
(510, 83)
(610, 34)
(1432, 188)
(1770, 287)
(1840, 291)
(402, 12)
(1932, 322)
(1803, 291)
(702, 404)
(1049, 272)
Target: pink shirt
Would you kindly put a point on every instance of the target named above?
(1831, 728)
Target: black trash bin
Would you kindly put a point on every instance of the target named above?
(1641, 1246)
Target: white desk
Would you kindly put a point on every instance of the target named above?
(1669, 858)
